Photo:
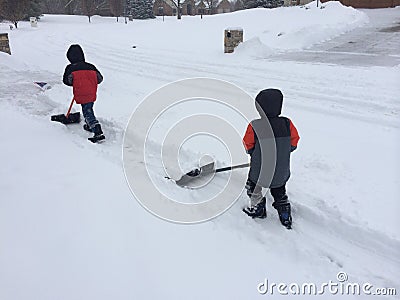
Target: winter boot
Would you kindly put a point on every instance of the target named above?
(284, 213)
(87, 128)
(98, 134)
(257, 211)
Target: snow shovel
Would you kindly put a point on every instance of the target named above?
(201, 172)
(68, 118)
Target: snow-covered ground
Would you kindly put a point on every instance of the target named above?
(69, 225)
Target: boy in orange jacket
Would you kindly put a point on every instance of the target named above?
(257, 140)
(84, 78)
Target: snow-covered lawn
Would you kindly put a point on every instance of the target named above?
(70, 227)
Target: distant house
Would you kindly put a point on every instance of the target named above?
(189, 7)
(296, 2)
(196, 7)
(164, 8)
(238, 5)
(201, 7)
(224, 6)
(369, 3)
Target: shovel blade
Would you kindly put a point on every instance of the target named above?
(72, 118)
(197, 177)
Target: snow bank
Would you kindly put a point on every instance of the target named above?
(308, 25)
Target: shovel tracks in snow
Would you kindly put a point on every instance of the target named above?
(303, 88)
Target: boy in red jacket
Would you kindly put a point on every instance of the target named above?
(257, 142)
(84, 78)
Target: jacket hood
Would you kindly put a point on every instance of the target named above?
(270, 102)
(75, 54)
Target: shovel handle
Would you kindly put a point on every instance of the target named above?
(232, 167)
(70, 107)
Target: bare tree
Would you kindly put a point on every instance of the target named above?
(71, 7)
(14, 11)
(116, 7)
(177, 3)
(90, 7)
(52, 6)
(212, 5)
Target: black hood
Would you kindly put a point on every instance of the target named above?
(75, 54)
(270, 101)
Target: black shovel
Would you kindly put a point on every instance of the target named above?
(68, 118)
(198, 173)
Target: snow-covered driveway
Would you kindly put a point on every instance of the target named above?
(375, 44)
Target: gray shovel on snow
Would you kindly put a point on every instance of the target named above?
(200, 173)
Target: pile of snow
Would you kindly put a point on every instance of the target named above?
(308, 25)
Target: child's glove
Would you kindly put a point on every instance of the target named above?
(250, 186)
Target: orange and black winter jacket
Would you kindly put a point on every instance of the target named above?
(269, 141)
(249, 139)
(82, 76)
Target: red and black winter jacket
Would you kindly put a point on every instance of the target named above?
(269, 141)
(82, 76)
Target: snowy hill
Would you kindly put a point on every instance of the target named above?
(70, 227)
